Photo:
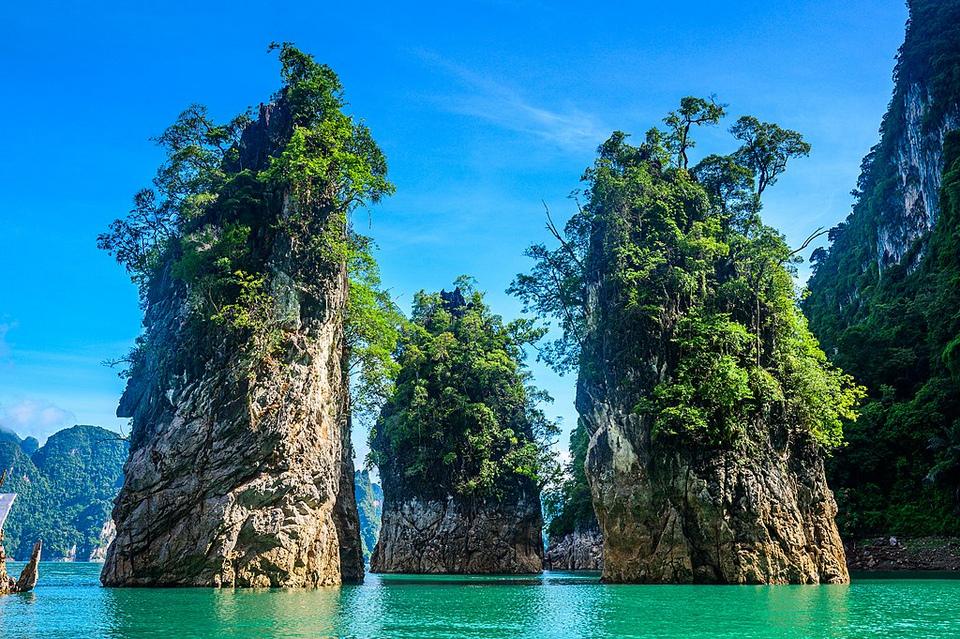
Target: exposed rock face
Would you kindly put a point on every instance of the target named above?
(919, 167)
(686, 518)
(579, 550)
(29, 575)
(448, 444)
(679, 506)
(107, 534)
(241, 476)
(460, 537)
(369, 498)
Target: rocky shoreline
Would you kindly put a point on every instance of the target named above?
(900, 553)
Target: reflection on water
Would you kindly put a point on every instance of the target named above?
(69, 603)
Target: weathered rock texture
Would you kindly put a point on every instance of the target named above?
(241, 476)
(460, 536)
(578, 550)
(28, 576)
(685, 518)
(882, 298)
(918, 158)
(107, 534)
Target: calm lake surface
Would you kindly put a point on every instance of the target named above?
(68, 602)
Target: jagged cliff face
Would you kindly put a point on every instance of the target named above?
(918, 161)
(456, 536)
(240, 470)
(882, 298)
(899, 187)
(577, 550)
(673, 515)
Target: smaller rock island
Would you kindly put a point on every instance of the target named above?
(460, 445)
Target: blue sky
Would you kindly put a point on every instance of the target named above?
(483, 109)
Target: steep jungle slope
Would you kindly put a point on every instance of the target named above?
(884, 298)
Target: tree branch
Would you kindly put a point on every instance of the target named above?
(810, 238)
(555, 232)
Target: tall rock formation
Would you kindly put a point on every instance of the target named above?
(704, 461)
(241, 468)
(370, 508)
(439, 534)
(459, 445)
(708, 403)
(883, 302)
(28, 577)
(580, 549)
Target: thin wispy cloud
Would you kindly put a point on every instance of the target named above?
(34, 417)
(493, 101)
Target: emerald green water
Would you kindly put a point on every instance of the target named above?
(69, 603)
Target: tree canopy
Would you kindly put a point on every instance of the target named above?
(668, 276)
(463, 418)
(212, 210)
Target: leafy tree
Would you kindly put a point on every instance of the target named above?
(373, 327)
(691, 306)
(766, 149)
(692, 112)
(463, 418)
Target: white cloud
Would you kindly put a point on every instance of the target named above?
(33, 417)
(568, 127)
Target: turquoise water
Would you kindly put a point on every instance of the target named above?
(69, 603)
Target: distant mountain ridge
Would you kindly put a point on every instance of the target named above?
(370, 508)
(65, 491)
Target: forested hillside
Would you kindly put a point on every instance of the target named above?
(65, 490)
(884, 298)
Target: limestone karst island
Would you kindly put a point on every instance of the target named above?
(480, 320)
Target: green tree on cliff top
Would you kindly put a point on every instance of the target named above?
(689, 275)
(207, 214)
(463, 418)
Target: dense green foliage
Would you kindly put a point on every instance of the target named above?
(693, 310)
(369, 498)
(65, 489)
(901, 470)
(895, 325)
(218, 217)
(463, 418)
